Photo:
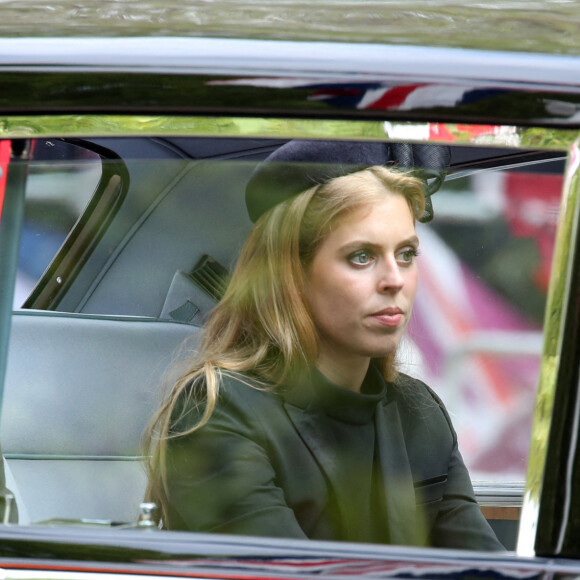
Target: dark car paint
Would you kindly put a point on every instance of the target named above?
(106, 76)
(249, 77)
(559, 513)
(130, 551)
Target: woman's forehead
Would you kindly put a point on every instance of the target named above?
(389, 214)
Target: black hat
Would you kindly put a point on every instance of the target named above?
(299, 165)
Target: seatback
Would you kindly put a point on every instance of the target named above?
(79, 391)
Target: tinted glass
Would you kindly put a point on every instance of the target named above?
(475, 336)
(62, 179)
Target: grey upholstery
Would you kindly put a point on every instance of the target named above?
(183, 290)
(79, 392)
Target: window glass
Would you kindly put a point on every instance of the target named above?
(61, 180)
(476, 332)
(476, 336)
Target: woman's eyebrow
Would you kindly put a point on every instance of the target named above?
(413, 241)
(356, 244)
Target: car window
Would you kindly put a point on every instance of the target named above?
(477, 333)
(61, 181)
(485, 270)
(163, 252)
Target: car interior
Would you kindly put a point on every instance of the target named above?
(122, 265)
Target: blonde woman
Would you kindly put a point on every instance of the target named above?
(292, 421)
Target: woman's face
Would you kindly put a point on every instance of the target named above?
(362, 282)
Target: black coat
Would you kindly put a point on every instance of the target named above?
(266, 465)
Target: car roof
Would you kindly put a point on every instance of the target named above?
(287, 78)
(506, 62)
(538, 26)
(302, 62)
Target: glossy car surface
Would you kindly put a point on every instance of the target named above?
(160, 133)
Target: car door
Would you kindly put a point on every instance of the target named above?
(168, 194)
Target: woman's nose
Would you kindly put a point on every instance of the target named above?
(391, 278)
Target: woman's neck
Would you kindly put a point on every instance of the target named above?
(348, 373)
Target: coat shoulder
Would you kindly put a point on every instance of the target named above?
(245, 390)
(239, 400)
(412, 389)
(419, 402)
(243, 397)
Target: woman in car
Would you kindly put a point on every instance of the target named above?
(292, 420)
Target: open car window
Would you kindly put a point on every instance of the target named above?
(145, 230)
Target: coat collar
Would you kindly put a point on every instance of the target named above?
(315, 391)
(310, 422)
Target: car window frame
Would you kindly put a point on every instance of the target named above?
(542, 138)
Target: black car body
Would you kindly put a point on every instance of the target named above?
(163, 114)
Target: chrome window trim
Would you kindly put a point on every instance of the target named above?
(83, 125)
(499, 494)
(289, 58)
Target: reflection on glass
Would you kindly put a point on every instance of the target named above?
(476, 334)
(62, 178)
(477, 329)
(553, 324)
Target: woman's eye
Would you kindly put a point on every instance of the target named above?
(408, 255)
(360, 258)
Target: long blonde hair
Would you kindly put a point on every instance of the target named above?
(262, 326)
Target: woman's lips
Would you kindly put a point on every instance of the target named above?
(391, 317)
